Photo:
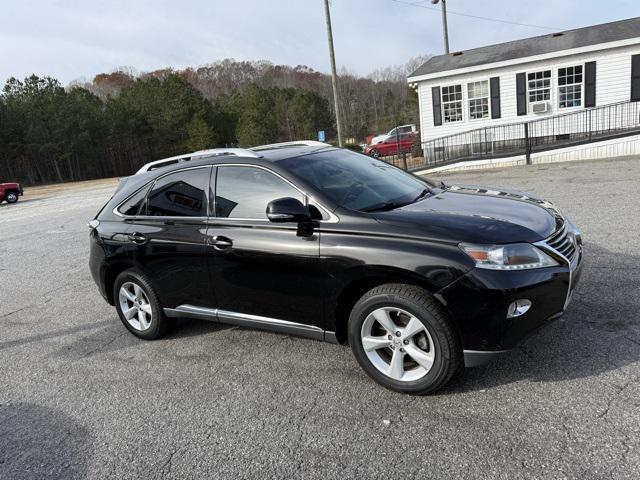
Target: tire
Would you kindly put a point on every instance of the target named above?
(432, 341)
(12, 197)
(143, 316)
(374, 153)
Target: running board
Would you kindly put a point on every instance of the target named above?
(251, 321)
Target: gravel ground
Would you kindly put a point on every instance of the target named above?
(82, 398)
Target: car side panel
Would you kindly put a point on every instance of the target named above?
(347, 256)
(267, 271)
(109, 248)
(173, 256)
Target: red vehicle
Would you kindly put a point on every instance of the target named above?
(391, 146)
(10, 192)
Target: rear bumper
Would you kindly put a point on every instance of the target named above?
(479, 301)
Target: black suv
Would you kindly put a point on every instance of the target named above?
(307, 239)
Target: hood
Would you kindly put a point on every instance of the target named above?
(467, 213)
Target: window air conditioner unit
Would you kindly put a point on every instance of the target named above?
(540, 107)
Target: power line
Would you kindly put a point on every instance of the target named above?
(499, 20)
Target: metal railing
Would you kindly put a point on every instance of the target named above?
(524, 138)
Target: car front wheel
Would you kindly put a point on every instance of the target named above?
(12, 197)
(403, 340)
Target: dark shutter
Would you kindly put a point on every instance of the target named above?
(521, 93)
(437, 109)
(494, 85)
(590, 84)
(635, 78)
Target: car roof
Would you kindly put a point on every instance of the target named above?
(284, 153)
(273, 152)
(265, 156)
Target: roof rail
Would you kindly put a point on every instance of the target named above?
(165, 162)
(298, 143)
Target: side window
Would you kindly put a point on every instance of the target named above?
(132, 206)
(180, 194)
(244, 192)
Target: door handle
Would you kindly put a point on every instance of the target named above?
(220, 243)
(137, 238)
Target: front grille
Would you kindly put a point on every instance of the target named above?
(563, 243)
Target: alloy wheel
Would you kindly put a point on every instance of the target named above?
(397, 344)
(135, 306)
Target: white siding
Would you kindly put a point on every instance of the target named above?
(613, 84)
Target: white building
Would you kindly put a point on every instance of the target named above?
(529, 79)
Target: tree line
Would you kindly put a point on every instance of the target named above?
(119, 121)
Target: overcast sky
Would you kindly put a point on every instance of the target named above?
(75, 39)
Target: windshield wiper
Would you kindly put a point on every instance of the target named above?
(386, 206)
(422, 194)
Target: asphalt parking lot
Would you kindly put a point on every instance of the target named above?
(80, 397)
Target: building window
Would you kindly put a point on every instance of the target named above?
(539, 84)
(452, 103)
(570, 87)
(478, 94)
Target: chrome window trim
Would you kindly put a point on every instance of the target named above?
(332, 217)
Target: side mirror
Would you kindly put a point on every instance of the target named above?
(291, 210)
(288, 210)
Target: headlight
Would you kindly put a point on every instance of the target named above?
(516, 256)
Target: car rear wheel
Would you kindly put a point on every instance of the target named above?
(12, 197)
(403, 340)
(138, 306)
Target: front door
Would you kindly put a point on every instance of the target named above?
(258, 267)
(170, 235)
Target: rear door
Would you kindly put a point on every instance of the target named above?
(169, 236)
(258, 267)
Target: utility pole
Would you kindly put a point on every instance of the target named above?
(445, 30)
(334, 75)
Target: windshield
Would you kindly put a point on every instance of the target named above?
(356, 181)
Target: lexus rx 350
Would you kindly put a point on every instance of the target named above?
(419, 278)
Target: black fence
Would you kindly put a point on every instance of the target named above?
(574, 128)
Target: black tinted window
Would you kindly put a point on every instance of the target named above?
(132, 206)
(354, 180)
(244, 192)
(180, 194)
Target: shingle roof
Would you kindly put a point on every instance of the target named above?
(580, 37)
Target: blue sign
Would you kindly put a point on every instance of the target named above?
(321, 136)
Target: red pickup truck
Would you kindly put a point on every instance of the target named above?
(10, 192)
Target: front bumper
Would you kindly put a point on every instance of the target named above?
(478, 303)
